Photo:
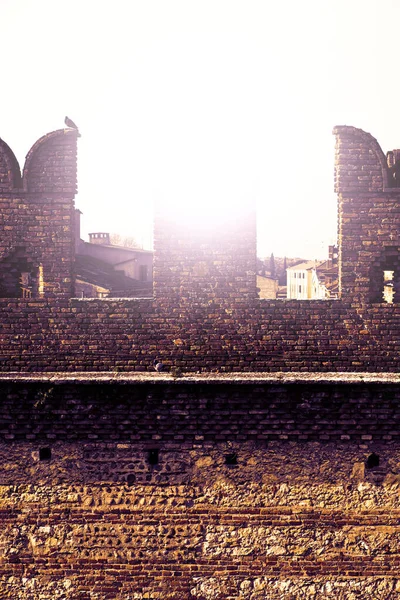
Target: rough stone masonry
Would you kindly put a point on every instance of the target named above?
(270, 469)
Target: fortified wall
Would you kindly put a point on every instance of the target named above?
(270, 469)
(205, 314)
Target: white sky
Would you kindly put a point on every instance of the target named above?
(203, 102)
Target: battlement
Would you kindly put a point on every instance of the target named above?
(198, 260)
(263, 460)
(37, 218)
(368, 217)
(205, 314)
(50, 166)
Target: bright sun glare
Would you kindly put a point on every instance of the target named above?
(202, 105)
(211, 214)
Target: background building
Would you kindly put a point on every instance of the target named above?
(107, 270)
(314, 280)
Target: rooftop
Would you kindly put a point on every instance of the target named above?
(306, 265)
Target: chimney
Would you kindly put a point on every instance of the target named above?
(77, 230)
(99, 238)
(332, 256)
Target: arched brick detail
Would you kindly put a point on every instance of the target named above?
(360, 164)
(50, 166)
(368, 217)
(10, 173)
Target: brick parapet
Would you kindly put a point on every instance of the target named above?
(51, 165)
(37, 214)
(127, 335)
(202, 262)
(360, 165)
(10, 172)
(368, 214)
(204, 315)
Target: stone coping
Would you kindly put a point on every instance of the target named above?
(114, 299)
(200, 378)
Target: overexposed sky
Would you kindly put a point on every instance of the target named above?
(208, 102)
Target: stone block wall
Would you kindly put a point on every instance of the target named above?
(260, 489)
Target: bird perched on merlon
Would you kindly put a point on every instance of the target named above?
(69, 123)
(158, 365)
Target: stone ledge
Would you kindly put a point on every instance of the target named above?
(201, 378)
(111, 299)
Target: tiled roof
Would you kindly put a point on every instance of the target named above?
(97, 272)
(127, 249)
(306, 265)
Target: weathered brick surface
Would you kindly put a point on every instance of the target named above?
(290, 519)
(10, 175)
(368, 212)
(194, 410)
(205, 314)
(37, 211)
(207, 263)
(128, 335)
(262, 489)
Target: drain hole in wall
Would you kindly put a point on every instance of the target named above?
(372, 461)
(231, 459)
(153, 456)
(45, 454)
(131, 479)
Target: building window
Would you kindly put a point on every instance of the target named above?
(26, 285)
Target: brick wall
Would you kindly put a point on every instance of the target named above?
(369, 215)
(211, 408)
(209, 487)
(202, 258)
(261, 489)
(103, 335)
(205, 314)
(37, 214)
